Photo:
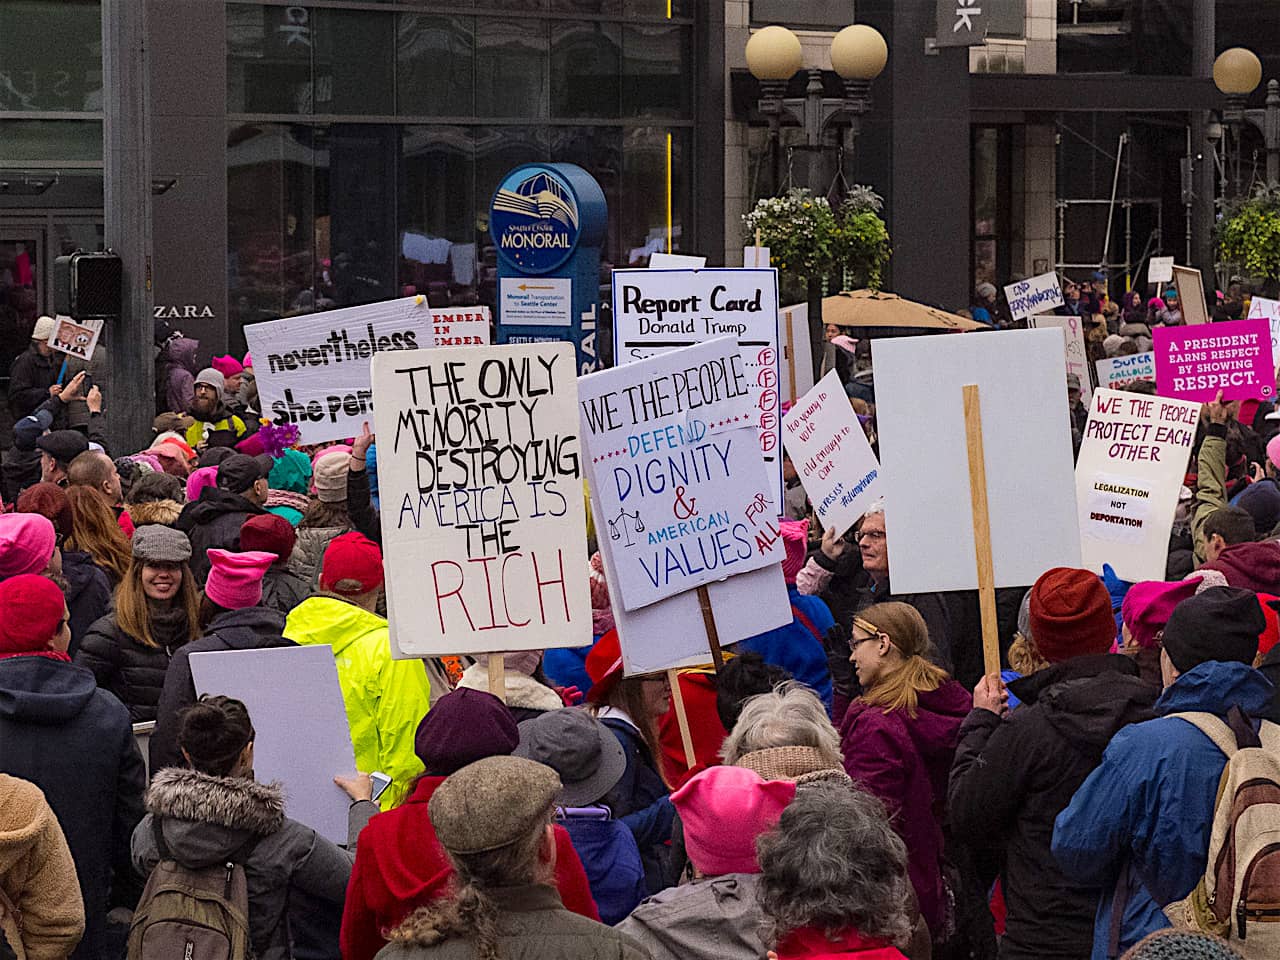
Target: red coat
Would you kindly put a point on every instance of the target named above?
(705, 728)
(812, 945)
(401, 866)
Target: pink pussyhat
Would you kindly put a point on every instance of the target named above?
(1147, 607)
(228, 366)
(247, 362)
(199, 479)
(723, 811)
(235, 579)
(795, 537)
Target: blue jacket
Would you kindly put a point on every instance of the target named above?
(1146, 812)
(640, 802)
(795, 647)
(611, 859)
(567, 666)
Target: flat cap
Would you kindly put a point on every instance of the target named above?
(492, 803)
(156, 543)
(63, 445)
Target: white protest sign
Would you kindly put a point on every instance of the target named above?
(659, 310)
(1077, 357)
(755, 256)
(1036, 295)
(1133, 459)
(1160, 270)
(1117, 372)
(797, 351)
(313, 370)
(76, 338)
(287, 690)
(675, 467)
(675, 261)
(1261, 307)
(480, 480)
(924, 458)
(831, 453)
(460, 327)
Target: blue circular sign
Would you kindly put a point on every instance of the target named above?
(534, 219)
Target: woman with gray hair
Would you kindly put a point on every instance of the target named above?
(786, 735)
(834, 879)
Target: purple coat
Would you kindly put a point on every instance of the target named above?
(905, 761)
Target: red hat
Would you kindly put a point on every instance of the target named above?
(352, 565)
(1147, 607)
(1071, 615)
(270, 533)
(795, 537)
(604, 666)
(235, 579)
(31, 610)
(48, 500)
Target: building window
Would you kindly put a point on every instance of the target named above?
(990, 192)
(50, 55)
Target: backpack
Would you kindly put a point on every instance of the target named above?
(11, 927)
(188, 914)
(1238, 898)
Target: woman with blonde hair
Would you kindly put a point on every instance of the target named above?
(95, 530)
(899, 738)
(157, 611)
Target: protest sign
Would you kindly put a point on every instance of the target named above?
(659, 310)
(1269, 310)
(924, 462)
(287, 690)
(1036, 295)
(76, 338)
(830, 452)
(313, 370)
(1133, 459)
(1117, 372)
(480, 479)
(797, 351)
(1077, 358)
(675, 467)
(755, 256)
(460, 326)
(1194, 363)
(1160, 270)
(675, 261)
(1190, 286)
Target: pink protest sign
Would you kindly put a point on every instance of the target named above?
(1194, 363)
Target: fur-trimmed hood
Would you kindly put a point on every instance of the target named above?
(523, 692)
(205, 818)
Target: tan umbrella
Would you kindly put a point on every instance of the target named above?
(868, 308)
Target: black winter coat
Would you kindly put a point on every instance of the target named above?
(88, 594)
(30, 378)
(1011, 778)
(127, 667)
(21, 469)
(252, 628)
(214, 520)
(74, 741)
(282, 589)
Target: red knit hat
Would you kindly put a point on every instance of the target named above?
(604, 667)
(269, 533)
(1071, 615)
(352, 565)
(31, 608)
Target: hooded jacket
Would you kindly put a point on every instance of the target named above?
(641, 801)
(1253, 566)
(221, 419)
(1012, 777)
(282, 589)
(385, 699)
(205, 819)
(401, 866)
(715, 918)
(37, 873)
(176, 384)
(128, 668)
(214, 520)
(905, 761)
(74, 741)
(253, 628)
(88, 593)
(526, 698)
(1143, 816)
(30, 377)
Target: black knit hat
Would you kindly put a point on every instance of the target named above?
(1221, 623)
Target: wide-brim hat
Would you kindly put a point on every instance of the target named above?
(577, 746)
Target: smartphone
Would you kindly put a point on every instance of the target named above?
(380, 783)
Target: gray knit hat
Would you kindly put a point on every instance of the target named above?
(492, 803)
(213, 378)
(1180, 945)
(160, 544)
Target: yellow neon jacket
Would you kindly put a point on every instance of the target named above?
(385, 698)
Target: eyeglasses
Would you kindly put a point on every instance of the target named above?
(872, 535)
(866, 626)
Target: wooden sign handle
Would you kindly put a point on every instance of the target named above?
(791, 357)
(498, 676)
(682, 718)
(709, 621)
(981, 529)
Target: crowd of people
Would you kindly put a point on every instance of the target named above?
(856, 785)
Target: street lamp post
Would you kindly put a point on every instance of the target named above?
(1236, 73)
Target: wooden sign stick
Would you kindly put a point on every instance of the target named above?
(791, 357)
(709, 621)
(682, 717)
(981, 529)
(757, 252)
(498, 676)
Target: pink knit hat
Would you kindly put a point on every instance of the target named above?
(1147, 607)
(795, 537)
(723, 811)
(1273, 451)
(247, 362)
(199, 479)
(27, 541)
(235, 579)
(228, 366)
